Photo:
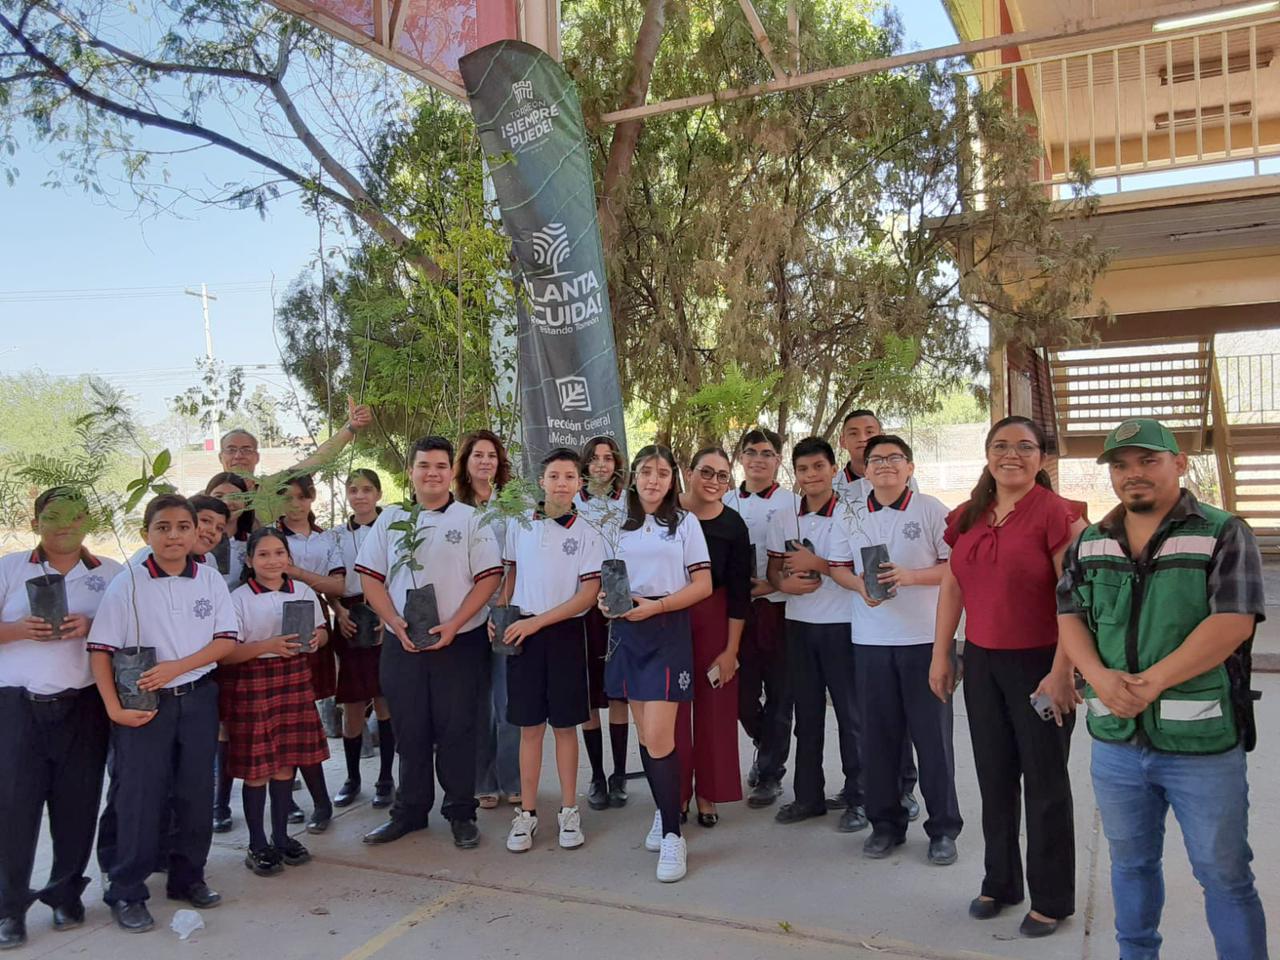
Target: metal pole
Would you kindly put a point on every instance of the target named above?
(205, 296)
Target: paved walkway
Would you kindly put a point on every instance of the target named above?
(755, 890)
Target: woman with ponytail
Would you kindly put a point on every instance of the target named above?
(1007, 544)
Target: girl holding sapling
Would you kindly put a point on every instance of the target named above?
(358, 685)
(266, 703)
(600, 504)
(552, 561)
(651, 657)
(55, 745)
(317, 562)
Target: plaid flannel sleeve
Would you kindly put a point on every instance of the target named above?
(1235, 572)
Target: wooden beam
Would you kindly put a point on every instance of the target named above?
(399, 9)
(762, 38)
(793, 34)
(1069, 28)
(380, 22)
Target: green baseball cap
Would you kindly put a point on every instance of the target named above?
(1145, 433)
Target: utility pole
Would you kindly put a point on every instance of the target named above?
(205, 296)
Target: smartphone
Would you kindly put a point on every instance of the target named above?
(713, 676)
(1043, 705)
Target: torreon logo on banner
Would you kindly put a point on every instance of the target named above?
(530, 124)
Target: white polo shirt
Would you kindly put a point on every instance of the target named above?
(660, 562)
(350, 537)
(912, 528)
(457, 552)
(49, 666)
(550, 560)
(178, 615)
(823, 528)
(318, 551)
(853, 488)
(757, 511)
(604, 514)
(144, 551)
(260, 610)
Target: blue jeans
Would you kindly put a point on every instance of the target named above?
(497, 741)
(1135, 787)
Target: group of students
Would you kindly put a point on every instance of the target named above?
(748, 604)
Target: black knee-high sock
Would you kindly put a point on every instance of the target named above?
(618, 733)
(281, 801)
(645, 760)
(386, 750)
(221, 780)
(594, 743)
(313, 777)
(351, 749)
(255, 807)
(664, 781)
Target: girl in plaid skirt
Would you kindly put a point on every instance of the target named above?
(267, 704)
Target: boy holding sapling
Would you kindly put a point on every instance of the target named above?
(553, 575)
(181, 610)
(55, 745)
(435, 558)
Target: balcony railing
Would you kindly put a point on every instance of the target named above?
(1158, 103)
(1250, 392)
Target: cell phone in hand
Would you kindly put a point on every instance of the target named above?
(713, 676)
(1042, 704)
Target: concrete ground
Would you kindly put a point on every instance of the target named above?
(755, 889)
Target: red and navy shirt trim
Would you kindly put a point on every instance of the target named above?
(565, 520)
(828, 509)
(763, 494)
(153, 568)
(900, 504)
(286, 586)
(380, 577)
(486, 573)
(39, 558)
(849, 475)
(353, 524)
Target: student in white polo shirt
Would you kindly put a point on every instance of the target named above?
(432, 693)
(764, 696)
(182, 609)
(818, 584)
(553, 576)
(54, 747)
(851, 481)
(893, 649)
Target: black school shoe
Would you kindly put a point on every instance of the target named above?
(133, 917)
(201, 896)
(13, 933)
(764, 794)
(347, 794)
(598, 795)
(466, 835)
(392, 830)
(320, 820)
(942, 851)
(292, 852)
(295, 812)
(265, 862)
(618, 790)
(383, 793)
(68, 916)
(1031, 927)
(794, 812)
(221, 820)
(880, 845)
(981, 909)
(853, 820)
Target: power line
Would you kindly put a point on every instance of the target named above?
(238, 288)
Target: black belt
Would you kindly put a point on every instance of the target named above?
(55, 697)
(182, 689)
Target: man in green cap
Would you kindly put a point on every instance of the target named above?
(1157, 608)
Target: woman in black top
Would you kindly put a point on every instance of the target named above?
(707, 734)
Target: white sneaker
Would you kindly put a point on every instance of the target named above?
(523, 827)
(653, 842)
(673, 859)
(570, 828)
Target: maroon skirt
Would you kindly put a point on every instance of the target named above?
(269, 712)
(324, 671)
(357, 672)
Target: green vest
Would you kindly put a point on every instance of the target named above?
(1139, 614)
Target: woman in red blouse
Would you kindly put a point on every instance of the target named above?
(1007, 544)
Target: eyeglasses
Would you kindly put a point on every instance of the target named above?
(721, 476)
(239, 451)
(759, 455)
(892, 460)
(1023, 448)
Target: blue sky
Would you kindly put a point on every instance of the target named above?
(88, 286)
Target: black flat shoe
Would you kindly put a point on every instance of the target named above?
(981, 909)
(320, 820)
(879, 845)
(766, 792)
(1031, 927)
(265, 862)
(598, 795)
(618, 790)
(222, 824)
(466, 835)
(391, 831)
(201, 896)
(942, 851)
(911, 805)
(69, 916)
(296, 815)
(133, 917)
(853, 820)
(383, 793)
(708, 819)
(347, 794)
(13, 933)
(293, 853)
(838, 802)
(794, 812)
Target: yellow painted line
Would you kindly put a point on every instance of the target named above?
(405, 924)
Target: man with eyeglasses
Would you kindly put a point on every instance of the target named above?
(892, 653)
(764, 697)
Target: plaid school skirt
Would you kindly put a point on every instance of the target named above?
(269, 712)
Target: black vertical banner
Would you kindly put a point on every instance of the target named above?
(531, 129)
